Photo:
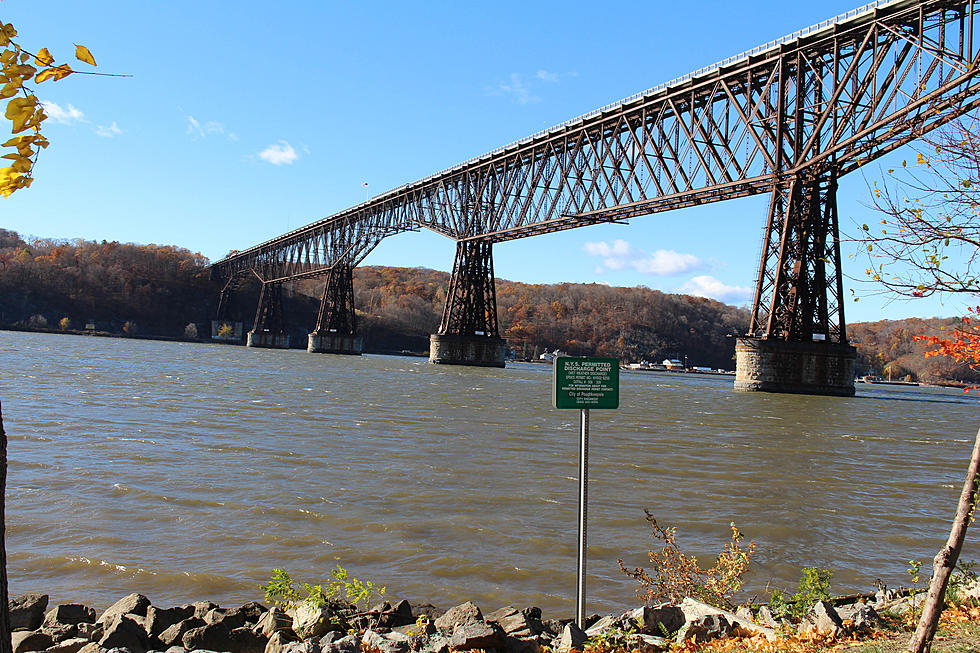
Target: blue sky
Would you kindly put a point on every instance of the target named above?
(243, 120)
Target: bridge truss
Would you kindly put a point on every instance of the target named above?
(788, 119)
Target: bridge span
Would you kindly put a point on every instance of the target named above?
(787, 118)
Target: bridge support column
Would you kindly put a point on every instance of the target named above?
(797, 340)
(269, 331)
(336, 330)
(468, 333)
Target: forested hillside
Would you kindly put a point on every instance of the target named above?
(162, 290)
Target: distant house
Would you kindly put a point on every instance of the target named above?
(550, 357)
(673, 364)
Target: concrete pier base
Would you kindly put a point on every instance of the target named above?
(331, 343)
(467, 350)
(267, 340)
(813, 368)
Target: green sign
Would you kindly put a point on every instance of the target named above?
(585, 382)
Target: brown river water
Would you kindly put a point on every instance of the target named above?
(189, 471)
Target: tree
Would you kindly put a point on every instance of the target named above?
(17, 67)
(928, 237)
(929, 243)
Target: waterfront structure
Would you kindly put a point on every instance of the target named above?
(787, 118)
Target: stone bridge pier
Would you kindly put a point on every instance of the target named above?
(336, 327)
(468, 333)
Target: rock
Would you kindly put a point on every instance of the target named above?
(159, 619)
(661, 619)
(213, 637)
(648, 642)
(398, 615)
(69, 613)
(859, 617)
(437, 644)
(822, 618)
(301, 647)
(273, 621)
(73, 645)
(60, 632)
(554, 627)
(706, 628)
(22, 641)
(231, 618)
(427, 609)
(766, 617)
(386, 643)
(132, 604)
(92, 631)
(744, 613)
(279, 640)
(349, 644)
(572, 637)
(93, 647)
(310, 622)
(245, 640)
(120, 631)
(173, 636)
(27, 611)
(201, 608)
(600, 627)
(477, 634)
(512, 622)
(693, 610)
(455, 617)
(252, 611)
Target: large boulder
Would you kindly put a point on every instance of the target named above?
(69, 614)
(273, 621)
(706, 628)
(385, 643)
(694, 610)
(27, 611)
(133, 604)
(645, 642)
(659, 619)
(477, 634)
(279, 641)
(231, 617)
(201, 608)
(23, 641)
(822, 618)
(458, 615)
(349, 644)
(399, 614)
(120, 631)
(174, 635)
(253, 611)
(310, 622)
(572, 637)
(159, 619)
(73, 645)
(513, 622)
(212, 637)
(246, 640)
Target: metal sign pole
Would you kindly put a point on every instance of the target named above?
(583, 507)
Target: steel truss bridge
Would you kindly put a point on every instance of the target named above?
(787, 118)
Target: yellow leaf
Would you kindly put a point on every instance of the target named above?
(46, 74)
(8, 31)
(62, 71)
(9, 90)
(82, 54)
(24, 57)
(8, 56)
(22, 165)
(43, 57)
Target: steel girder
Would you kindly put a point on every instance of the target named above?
(471, 300)
(336, 314)
(831, 97)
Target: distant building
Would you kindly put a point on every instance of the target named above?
(673, 364)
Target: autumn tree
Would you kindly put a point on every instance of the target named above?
(927, 241)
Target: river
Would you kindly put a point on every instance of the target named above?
(189, 471)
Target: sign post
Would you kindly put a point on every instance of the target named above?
(584, 383)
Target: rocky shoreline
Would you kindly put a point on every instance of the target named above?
(134, 625)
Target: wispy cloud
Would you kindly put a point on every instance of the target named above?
(198, 129)
(282, 153)
(662, 263)
(108, 132)
(708, 286)
(65, 116)
(516, 88)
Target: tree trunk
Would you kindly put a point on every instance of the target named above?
(945, 560)
(5, 646)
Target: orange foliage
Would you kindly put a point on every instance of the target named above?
(964, 346)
